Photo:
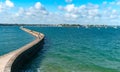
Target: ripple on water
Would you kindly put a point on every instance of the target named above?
(78, 50)
(12, 38)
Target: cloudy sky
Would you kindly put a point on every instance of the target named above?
(60, 11)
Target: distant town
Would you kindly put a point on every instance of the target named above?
(59, 25)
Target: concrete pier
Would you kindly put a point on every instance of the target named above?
(11, 61)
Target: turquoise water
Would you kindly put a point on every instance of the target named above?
(12, 38)
(77, 50)
(68, 49)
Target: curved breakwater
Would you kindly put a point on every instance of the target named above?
(12, 61)
(77, 50)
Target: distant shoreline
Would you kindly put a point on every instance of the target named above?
(60, 25)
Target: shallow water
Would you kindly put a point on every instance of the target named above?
(12, 38)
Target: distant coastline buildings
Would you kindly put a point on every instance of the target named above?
(61, 25)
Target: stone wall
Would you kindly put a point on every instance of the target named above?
(25, 53)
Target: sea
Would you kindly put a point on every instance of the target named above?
(12, 38)
(68, 49)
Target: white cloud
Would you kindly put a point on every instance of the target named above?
(91, 13)
(0, 8)
(60, 8)
(114, 14)
(35, 10)
(118, 3)
(38, 5)
(69, 8)
(71, 13)
(9, 3)
(105, 2)
(34, 14)
(20, 12)
(82, 7)
(68, 1)
(83, 11)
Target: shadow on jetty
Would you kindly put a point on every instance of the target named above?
(20, 65)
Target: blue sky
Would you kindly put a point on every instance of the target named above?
(60, 11)
(52, 5)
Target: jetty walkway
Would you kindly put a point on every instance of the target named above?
(7, 60)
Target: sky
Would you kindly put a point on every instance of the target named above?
(95, 12)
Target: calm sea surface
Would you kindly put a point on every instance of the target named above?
(68, 49)
(12, 38)
(77, 50)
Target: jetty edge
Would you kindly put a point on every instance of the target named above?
(12, 61)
